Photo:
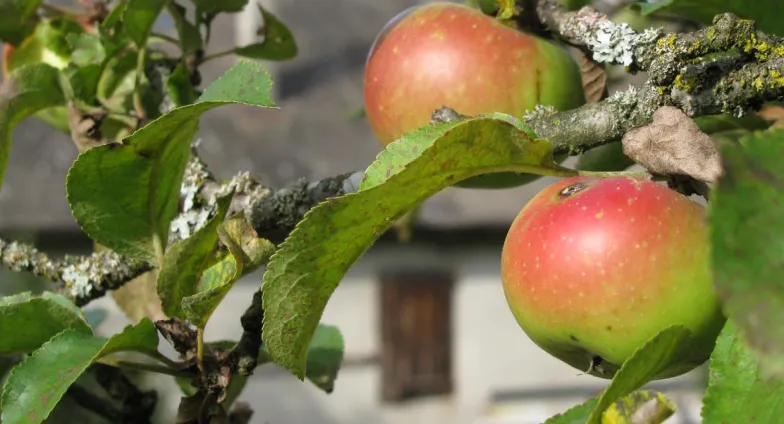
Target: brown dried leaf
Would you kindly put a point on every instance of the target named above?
(139, 298)
(673, 145)
(774, 114)
(181, 336)
(594, 79)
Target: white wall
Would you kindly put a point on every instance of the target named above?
(491, 353)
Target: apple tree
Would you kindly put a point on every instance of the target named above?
(619, 273)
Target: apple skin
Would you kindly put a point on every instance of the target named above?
(448, 54)
(596, 267)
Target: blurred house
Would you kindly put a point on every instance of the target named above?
(475, 365)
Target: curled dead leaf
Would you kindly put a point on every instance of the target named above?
(674, 145)
(773, 114)
(594, 79)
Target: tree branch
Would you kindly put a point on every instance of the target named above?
(728, 67)
(244, 355)
(82, 278)
(273, 214)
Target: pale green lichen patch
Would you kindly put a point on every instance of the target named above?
(100, 271)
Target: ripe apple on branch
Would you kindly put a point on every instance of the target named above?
(592, 268)
(450, 55)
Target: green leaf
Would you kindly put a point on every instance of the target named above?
(768, 14)
(747, 222)
(213, 6)
(607, 157)
(186, 386)
(17, 19)
(278, 43)
(124, 196)
(188, 32)
(643, 406)
(139, 17)
(186, 260)
(117, 82)
(247, 253)
(325, 356)
(115, 15)
(396, 156)
(310, 263)
(218, 280)
(87, 49)
(738, 391)
(179, 87)
(488, 7)
(576, 415)
(646, 364)
(35, 386)
(711, 124)
(27, 321)
(83, 82)
(28, 89)
(53, 36)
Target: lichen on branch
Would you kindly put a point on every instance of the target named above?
(727, 67)
(89, 277)
(82, 278)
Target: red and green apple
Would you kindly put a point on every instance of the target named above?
(448, 54)
(592, 268)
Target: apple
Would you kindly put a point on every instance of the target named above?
(592, 268)
(448, 54)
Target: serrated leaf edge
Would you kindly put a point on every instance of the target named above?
(299, 371)
(596, 414)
